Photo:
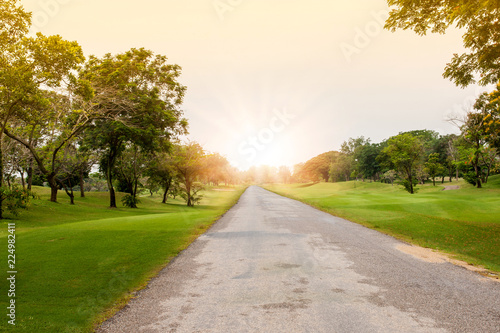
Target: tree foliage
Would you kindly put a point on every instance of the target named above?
(143, 89)
(480, 21)
(188, 163)
(404, 152)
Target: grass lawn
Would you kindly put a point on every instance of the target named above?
(464, 222)
(78, 264)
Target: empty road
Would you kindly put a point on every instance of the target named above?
(272, 264)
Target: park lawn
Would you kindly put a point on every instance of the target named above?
(77, 265)
(464, 222)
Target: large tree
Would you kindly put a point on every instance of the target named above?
(38, 66)
(152, 116)
(478, 18)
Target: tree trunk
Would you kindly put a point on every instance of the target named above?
(23, 183)
(109, 179)
(410, 179)
(478, 175)
(69, 192)
(82, 185)
(53, 187)
(165, 194)
(134, 193)
(30, 174)
(112, 194)
(188, 193)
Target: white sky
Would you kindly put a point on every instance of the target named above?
(259, 58)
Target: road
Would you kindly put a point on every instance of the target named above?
(272, 264)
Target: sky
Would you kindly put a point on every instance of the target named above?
(278, 82)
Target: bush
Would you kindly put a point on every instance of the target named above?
(406, 185)
(471, 178)
(130, 201)
(15, 198)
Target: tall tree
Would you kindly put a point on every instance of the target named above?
(45, 62)
(153, 117)
(479, 20)
(473, 133)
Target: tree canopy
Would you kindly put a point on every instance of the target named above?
(479, 19)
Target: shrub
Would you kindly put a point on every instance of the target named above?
(130, 201)
(16, 198)
(406, 184)
(471, 178)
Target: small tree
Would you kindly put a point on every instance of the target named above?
(188, 162)
(161, 172)
(404, 152)
(131, 165)
(433, 167)
(390, 176)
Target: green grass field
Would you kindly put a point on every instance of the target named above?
(78, 264)
(464, 222)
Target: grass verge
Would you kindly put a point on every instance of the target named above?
(77, 265)
(464, 223)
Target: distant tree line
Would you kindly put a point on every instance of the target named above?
(417, 156)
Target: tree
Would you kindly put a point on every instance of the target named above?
(404, 152)
(284, 174)
(347, 163)
(149, 98)
(52, 120)
(390, 176)
(44, 115)
(341, 167)
(445, 155)
(215, 169)
(68, 176)
(130, 167)
(14, 25)
(489, 105)
(479, 19)
(188, 163)
(27, 66)
(161, 171)
(318, 168)
(433, 167)
(366, 157)
(454, 155)
(475, 137)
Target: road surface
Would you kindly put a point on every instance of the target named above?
(272, 264)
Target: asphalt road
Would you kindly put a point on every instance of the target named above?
(272, 264)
